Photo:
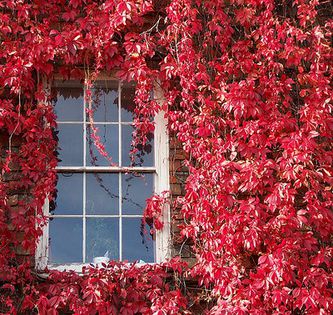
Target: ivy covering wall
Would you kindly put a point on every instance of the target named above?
(247, 93)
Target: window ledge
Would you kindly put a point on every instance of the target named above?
(77, 267)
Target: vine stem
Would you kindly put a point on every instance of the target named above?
(17, 124)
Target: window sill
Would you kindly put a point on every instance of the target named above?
(77, 267)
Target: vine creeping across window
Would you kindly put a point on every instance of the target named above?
(98, 206)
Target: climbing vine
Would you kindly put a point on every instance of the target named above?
(247, 91)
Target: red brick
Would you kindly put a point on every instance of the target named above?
(176, 189)
(13, 200)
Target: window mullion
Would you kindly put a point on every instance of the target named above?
(119, 175)
(84, 179)
(119, 125)
(105, 169)
(120, 219)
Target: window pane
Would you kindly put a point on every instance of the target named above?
(127, 102)
(145, 155)
(136, 188)
(102, 238)
(69, 101)
(105, 101)
(138, 243)
(70, 144)
(69, 195)
(102, 193)
(65, 240)
(108, 135)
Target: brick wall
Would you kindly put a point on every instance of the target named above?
(15, 195)
(178, 174)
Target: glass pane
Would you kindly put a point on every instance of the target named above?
(70, 144)
(108, 135)
(127, 102)
(105, 101)
(69, 101)
(145, 155)
(102, 238)
(138, 243)
(102, 193)
(65, 240)
(69, 195)
(135, 190)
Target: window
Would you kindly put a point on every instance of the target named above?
(98, 207)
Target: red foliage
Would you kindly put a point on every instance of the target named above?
(115, 288)
(247, 92)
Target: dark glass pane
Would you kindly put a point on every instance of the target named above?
(138, 243)
(108, 135)
(127, 102)
(102, 238)
(69, 101)
(65, 240)
(145, 155)
(102, 193)
(135, 190)
(69, 195)
(105, 101)
(70, 145)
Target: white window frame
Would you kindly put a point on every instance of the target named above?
(161, 184)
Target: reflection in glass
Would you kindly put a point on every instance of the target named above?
(145, 155)
(105, 101)
(102, 193)
(138, 243)
(136, 188)
(70, 145)
(69, 101)
(108, 135)
(65, 240)
(127, 102)
(69, 193)
(102, 238)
